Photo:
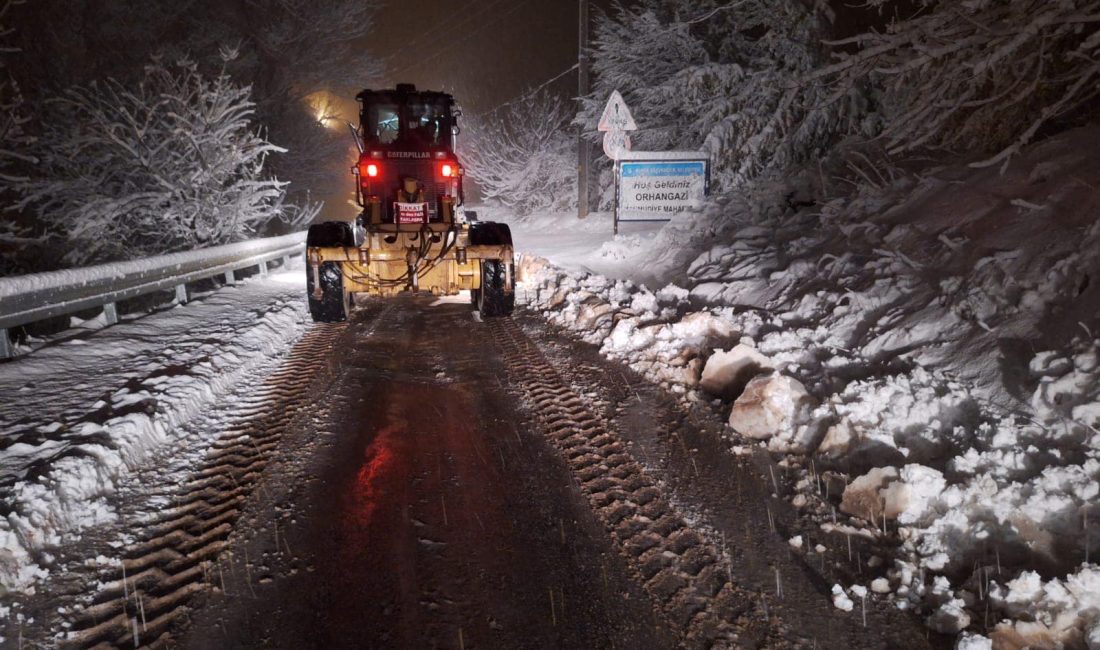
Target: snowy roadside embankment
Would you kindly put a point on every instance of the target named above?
(929, 343)
(83, 413)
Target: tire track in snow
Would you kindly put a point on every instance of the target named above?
(180, 554)
(685, 574)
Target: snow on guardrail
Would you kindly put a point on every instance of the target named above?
(29, 298)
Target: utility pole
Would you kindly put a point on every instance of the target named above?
(582, 90)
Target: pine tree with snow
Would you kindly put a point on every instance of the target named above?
(727, 78)
(983, 76)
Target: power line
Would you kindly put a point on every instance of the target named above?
(529, 93)
(468, 36)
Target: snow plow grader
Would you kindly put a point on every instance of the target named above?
(410, 235)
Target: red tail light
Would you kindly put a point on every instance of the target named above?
(447, 170)
(369, 169)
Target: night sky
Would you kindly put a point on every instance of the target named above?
(485, 52)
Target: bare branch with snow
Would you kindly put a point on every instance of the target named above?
(170, 164)
(524, 156)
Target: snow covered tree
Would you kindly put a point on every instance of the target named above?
(764, 85)
(13, 119)
(730, 78)
(979, 75)
(524, 156)
(288, 50)
(168, 164)
(291, 50)
(14, 140)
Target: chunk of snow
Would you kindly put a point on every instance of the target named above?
(837, 440)
(950, 618)
(727, 373)
(841, 600)
(1053, 609)
(968, 641)
(772, 406)
(863, 496)
(905, 495)
(673, 294)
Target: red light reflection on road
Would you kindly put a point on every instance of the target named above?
(378, 458)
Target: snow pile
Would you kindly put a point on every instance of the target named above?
(86, 415)
(631, 323)
(918, 415)
(1065, 610)
(1068, 388)
(930, 341)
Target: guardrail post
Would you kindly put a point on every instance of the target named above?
(230, 278)
(6, 351)
(110, 313)
(286, 261)
(262, 268)
(181, 294)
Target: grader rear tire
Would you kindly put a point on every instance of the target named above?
(492, 299)
(331, 306)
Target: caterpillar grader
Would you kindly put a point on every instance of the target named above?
(410, 235)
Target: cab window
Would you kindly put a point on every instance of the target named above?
(428, 125)
(383, 123)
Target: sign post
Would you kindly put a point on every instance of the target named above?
(650, 185)
(614, 124)
(655, 186)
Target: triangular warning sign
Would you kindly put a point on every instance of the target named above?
(616, 116)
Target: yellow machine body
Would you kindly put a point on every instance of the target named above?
(444, 260)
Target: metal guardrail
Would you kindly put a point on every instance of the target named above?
(28, 298)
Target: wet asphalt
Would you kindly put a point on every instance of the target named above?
(418, 508)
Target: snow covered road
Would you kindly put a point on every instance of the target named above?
(82, 413)
(413, 508)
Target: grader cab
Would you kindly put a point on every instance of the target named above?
(410, 235)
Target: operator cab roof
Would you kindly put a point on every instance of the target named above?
(403, 93)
